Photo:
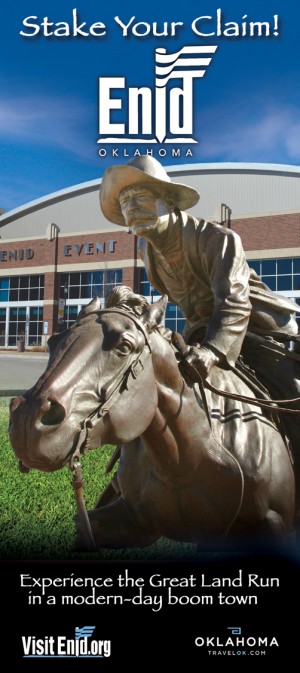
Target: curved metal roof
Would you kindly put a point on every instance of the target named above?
(91, 185)
(247, 189)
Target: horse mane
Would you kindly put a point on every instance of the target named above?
(124, 297)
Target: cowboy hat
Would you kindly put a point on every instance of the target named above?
(146, 171)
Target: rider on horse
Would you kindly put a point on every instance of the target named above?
(202, 268)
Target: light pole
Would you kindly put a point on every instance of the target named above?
(66, 291)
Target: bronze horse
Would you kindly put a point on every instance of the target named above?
(113, 378)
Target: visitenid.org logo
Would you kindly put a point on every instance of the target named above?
(82, 645)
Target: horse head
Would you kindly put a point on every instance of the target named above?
(99, 370)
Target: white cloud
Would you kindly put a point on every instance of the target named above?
(46, 121)
(293, 140)
(263, 132)
(16, 189)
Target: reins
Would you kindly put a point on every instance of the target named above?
(78, 484)
(108, 397)
(186, 358)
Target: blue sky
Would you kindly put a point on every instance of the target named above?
(246, 108)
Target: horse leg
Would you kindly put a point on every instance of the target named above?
(114, 527)
(273, 525)
(272, 533)
(110, 493)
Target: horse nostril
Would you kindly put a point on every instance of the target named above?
(54, 414)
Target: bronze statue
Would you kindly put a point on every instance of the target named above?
(201, 267)
(201, 457)
(194, 467)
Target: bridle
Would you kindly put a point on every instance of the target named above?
(131, 369)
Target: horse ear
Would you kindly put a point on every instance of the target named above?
(93, 306)
(53, 342)
(153, 314)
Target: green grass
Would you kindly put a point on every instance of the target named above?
(38, 509)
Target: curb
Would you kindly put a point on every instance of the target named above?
(12, 393)
(27, 356)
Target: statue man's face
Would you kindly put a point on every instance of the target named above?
(143, 211)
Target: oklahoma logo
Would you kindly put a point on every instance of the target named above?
(163, 114)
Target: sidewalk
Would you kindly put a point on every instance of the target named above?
(20, 371)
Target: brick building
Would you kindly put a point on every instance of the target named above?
(56, 253)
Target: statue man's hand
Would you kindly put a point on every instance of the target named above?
(202, 359)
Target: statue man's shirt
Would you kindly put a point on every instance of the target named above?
(201, 266)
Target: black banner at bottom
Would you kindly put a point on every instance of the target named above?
(97, 615)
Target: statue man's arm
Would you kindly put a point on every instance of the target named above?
(223, 259)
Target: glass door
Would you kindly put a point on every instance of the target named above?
(16, 324)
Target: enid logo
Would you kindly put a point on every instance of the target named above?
(163, 114)
(82, 645)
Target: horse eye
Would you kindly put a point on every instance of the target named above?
(125, 347)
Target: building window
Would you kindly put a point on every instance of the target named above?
(85, 285)
(174, 319)
(2, 326)
(17, 324)
(80, 288)
(22, 288)
(35, 326)
(281, 275)
(71, 313)
(4, 289)
(22, 321)
(144, 286)
(20, 314)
